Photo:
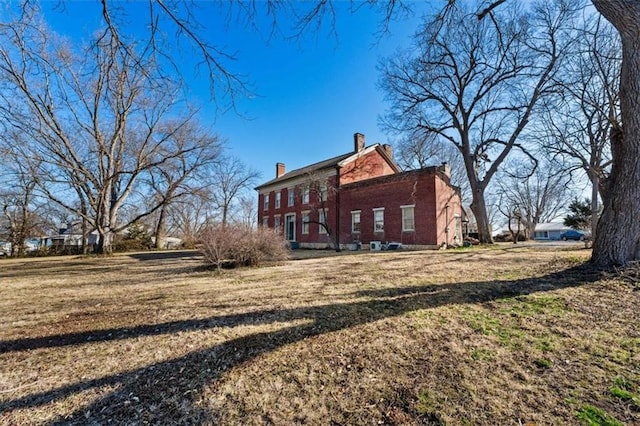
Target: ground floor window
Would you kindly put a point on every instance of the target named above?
(265, 221)
(408, 222)
(378, 219)
(322, 220)
(355, 221)
(541, 235)
(305, 223)
(276, 223)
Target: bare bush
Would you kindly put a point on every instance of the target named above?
(234, 245)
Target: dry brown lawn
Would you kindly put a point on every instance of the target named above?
(503, 335)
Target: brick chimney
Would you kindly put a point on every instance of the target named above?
(358, 142)
(388, 149)
(446, 169)
(280, 170)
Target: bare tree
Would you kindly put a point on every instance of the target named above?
(576, 125)
(425, 149)
(95, 122)
(176, 178)
(188, 215)
(617, 239)
(228, 179)
(20, 218)
(533, 196)
(475, 83)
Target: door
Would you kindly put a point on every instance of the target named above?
(290, 227)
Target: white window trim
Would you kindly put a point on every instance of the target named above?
(305, 194)
(321, 229)
(378, 209)
(291, 197)
(359, 223)
(324, 192)
(302, 222)
(405, 208)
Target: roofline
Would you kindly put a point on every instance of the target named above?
(346, 158)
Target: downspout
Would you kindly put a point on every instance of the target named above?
(338, 249)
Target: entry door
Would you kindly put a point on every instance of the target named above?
(290, 227)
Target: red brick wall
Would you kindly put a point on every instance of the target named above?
(313, 207)
(427, 189)
(368, 166)
(424, 188)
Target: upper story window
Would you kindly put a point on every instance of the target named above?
(378, 220)
(355, 221)
(305, 195)
(291, 197)
(277, 203)
(323, 192)
(408, 221)
(265, 202)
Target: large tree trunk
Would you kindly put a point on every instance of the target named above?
(595, 184)
(104, 242)
(479, 209)
(160, 234)
(618, 233)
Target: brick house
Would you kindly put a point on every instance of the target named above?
(362, 196)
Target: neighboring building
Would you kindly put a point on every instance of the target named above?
(69, 238)
(549, 231)
(362, 196)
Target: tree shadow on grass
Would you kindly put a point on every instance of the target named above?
(166, 392)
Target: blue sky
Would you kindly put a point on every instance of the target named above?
(311, 95)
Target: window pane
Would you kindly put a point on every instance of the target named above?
(322, 218)
(408, 223)
(355, 222)
(378, 220)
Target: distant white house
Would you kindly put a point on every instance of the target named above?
(68, 236)
(549, 231)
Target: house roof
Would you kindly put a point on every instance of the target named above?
(340, 160)
(551, 226)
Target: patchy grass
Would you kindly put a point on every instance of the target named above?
(500, 335)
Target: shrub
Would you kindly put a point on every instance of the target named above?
(234, 245)
(135, 239)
